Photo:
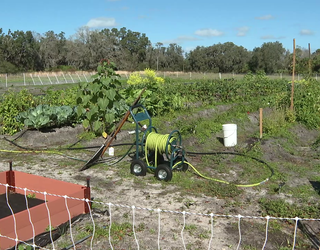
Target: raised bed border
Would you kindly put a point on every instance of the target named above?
(55, 190)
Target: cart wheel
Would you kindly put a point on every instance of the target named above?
(181, 167)
(138, 167)
(163, 173)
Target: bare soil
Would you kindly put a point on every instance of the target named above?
(114, 184)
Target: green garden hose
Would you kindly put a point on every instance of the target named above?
(157, 143)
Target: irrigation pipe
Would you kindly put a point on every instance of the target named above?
(28, 150)
(226, 182)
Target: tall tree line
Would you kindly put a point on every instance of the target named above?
(29, 51)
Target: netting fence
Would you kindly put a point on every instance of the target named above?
(157, 228)
(51, 78)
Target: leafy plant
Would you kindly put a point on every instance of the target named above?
(13, 103)
(274, 122)
(44, 116)
(280, 208)
(31, 196)
(59, 97)
(25, 247)
(101, 99)
(150, 77)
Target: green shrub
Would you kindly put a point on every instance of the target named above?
(101, 99)
(149, 78)
(44, 116)
(274, 121)
(13, 103)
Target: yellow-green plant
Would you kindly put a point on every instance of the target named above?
(135, 78)
(149, 77)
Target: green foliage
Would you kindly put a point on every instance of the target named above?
(44, 116)
(274, 122)
(13, 103)
(118, 230)
(157, 98)
(7, 67)
(149, 78)
(61, 97)
(25, 247)
(307, 103)
(101, 99)
(281, 208)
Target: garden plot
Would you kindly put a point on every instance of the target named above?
(294, 162)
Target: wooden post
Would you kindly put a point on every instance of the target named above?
(310, 70)
(293, 69)
(261, 113)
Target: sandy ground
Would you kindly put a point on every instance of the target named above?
(148, 195)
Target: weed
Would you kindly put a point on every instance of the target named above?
(24, 247)
(280, 208)
(191, 228)
(275, 122)
(141, 227)
(31, 196)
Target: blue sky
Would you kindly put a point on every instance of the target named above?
(188, 23)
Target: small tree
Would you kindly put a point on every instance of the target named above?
(99, 101)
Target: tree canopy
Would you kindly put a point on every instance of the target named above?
(131, 50)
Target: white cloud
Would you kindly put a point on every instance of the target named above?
(266, 17)
(208, 32)
(101, 22)
(306, 32)
(242, 31)
(271, 37)
(181, 39)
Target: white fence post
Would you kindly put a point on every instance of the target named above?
(85, 77)
(32, 79)
(49, 78)
(6, 80)
(190, 76)
(71, 77)
(40, 80)
(220, 76)
(78, 77)
(64, 78)
(24, 79)
(56, 78)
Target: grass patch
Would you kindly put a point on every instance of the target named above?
(280, 208)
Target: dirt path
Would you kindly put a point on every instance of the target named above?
(114, 184)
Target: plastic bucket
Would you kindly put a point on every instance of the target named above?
(111, 151)
(229, 135)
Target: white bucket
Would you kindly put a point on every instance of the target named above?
(229, 135)
(111, 151)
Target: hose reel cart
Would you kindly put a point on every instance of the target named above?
(160, 153)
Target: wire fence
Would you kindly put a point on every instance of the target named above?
(28, 79)
(51, 78)
(182, 221)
